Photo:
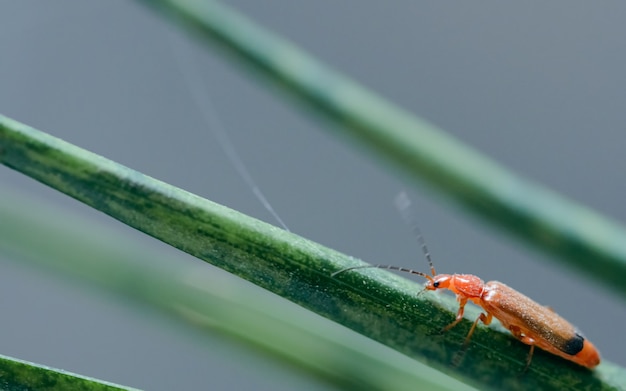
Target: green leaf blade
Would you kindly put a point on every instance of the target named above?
(375, 303)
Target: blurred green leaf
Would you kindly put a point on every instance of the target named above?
(202, 297)
(581, 237)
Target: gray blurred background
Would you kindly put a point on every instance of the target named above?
(540, 87)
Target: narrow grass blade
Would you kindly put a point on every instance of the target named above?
(375, 303)
(23, 375)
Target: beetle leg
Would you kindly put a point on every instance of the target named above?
(530, 357)
(459, 314)
(517, 333)
(486, 319)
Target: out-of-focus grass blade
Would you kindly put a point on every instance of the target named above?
(201, 297)
(588, 241)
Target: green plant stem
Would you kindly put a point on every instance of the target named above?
(375, 303)
(594, 244)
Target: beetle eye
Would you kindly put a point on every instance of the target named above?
(436, 284)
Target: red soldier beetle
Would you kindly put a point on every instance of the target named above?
(528, 321)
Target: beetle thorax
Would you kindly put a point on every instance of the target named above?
(467, 285)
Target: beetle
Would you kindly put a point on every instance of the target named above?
(529, 322)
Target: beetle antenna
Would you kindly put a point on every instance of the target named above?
(390, 267)
(405, 207)
(403, 204)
